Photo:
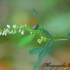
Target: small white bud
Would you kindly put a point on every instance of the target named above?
(14, 31)
(21, 26)
(22, 32)
(11, 32)
(30, 32)
(7, 30)
(8, 26)
(14, 26)
(19, 30)
(5, 34)
(39, 41)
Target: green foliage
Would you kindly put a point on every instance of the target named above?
(37, 15)
(41, 24)
(45, 51)
(35, 51)
(27, 28)
(44, 37)
(49, 39)
(27, 39)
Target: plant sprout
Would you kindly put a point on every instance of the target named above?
(45, 37)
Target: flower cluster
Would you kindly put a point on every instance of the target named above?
(12, 30)
(42, 39)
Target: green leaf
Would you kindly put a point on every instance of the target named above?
(43, 53)
(27, 28)
(35, 51)
(37, 15)
(27, 39)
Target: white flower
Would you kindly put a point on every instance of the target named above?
(14, 26)
(11, 32)
(5, 34)
(21, 26)
(30, 32)
(7, 30)
(8, 26)
(39, 41)
(22, 32)
(14, 31)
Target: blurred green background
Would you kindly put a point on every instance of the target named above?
(56, 18)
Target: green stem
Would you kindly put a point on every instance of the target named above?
(61, 39)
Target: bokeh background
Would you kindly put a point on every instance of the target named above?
(56, 18)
